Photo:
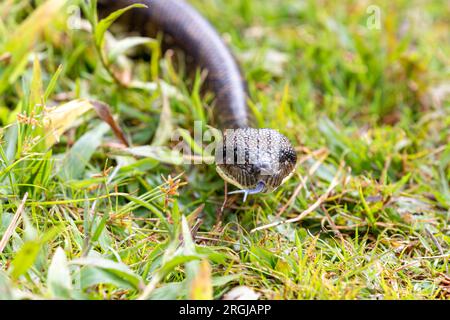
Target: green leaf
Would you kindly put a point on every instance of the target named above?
(25, 258)
(165, 128)
(192, 267)
(81, 152)
(52, 83)
(117, 269)
(29, 251)
(90, 276)
(170, 291)
(104, 24)
(401, 183)
(36, 87)
(170, 264)
(59, 281)
(51, 233)
(100, 227)
(36, 105)
(189, 246)
(11, 142)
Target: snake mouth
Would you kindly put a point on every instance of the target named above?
(264, 182)
(229, 178)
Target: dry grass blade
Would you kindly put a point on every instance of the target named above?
(24, 36)
(201, 286)
(331, 222)
(150, 287)
(297, 190)
(435, 241)
(302, 183)
(61, 118)
(104, 112)
(313, 207)
(34, 24)
(58, 120)
(13, 225)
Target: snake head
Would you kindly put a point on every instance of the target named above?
(255, 160)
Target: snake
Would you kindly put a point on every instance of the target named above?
(255, 160)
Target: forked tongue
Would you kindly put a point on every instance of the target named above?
(259, 188)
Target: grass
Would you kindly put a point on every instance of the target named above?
(83, 217)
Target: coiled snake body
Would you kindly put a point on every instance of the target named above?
(254, 160)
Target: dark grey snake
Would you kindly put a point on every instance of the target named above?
(254, 160)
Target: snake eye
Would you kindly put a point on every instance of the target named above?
(287, 155)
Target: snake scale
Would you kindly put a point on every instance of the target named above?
(254, 160)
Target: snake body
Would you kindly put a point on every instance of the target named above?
(255, 160)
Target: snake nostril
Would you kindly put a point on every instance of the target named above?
(264, 166)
